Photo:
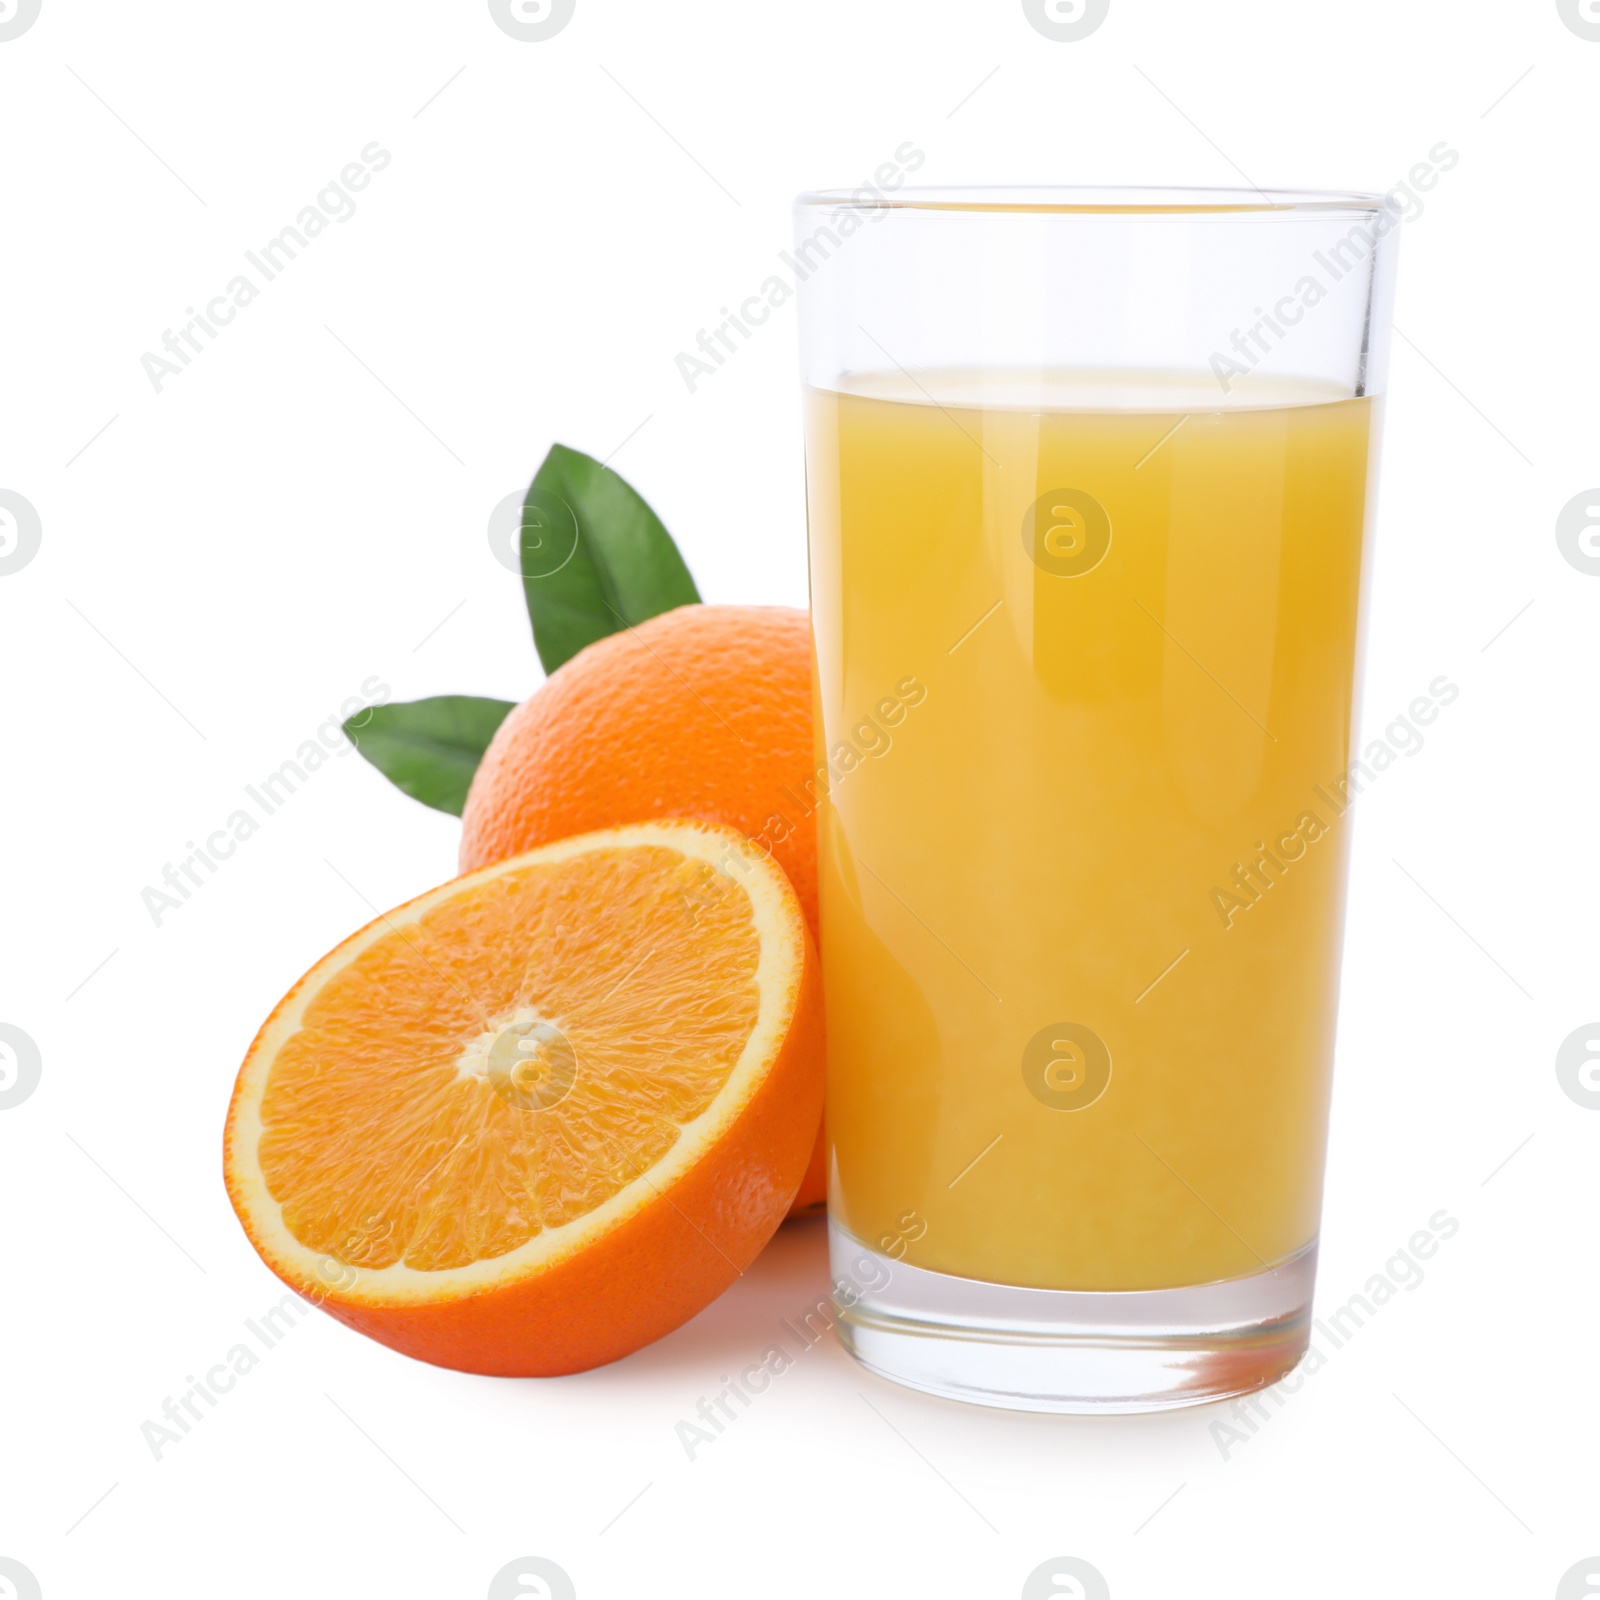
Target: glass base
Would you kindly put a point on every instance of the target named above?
(1068, 1349)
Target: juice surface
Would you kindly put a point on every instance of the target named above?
(1084, 661)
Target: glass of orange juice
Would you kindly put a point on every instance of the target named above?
(1089, 480)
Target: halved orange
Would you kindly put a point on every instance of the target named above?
(543, 1114)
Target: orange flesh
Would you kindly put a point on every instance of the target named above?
(390, 1132)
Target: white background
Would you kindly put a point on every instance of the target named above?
(223, 563)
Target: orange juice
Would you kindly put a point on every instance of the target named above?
(1085, 652)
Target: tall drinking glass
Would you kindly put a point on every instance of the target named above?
(1089, 479)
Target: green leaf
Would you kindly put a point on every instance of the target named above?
(429, 748)
(595, 557)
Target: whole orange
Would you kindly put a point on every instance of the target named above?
(703, 712)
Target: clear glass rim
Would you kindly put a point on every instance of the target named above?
(1096, 200)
